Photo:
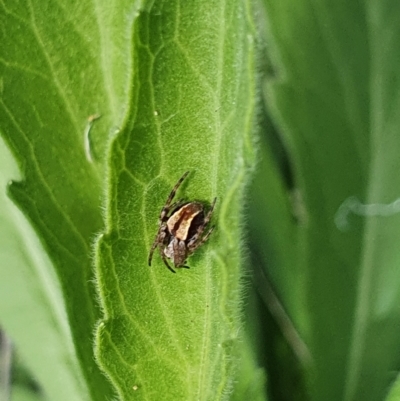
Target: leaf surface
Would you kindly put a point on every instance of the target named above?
(59, 69)
(192, 99)
(394, 392)
(32, 309)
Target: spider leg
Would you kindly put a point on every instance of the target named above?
(199, 242)
(159, 239)
(153, 247)
(176, 204)
(173, 192)
(209, 214)
(165, 260)
(167, 207)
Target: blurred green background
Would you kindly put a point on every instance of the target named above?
(324, 206)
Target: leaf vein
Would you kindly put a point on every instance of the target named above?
(12, 65)
(57, 83)
(140, 329)
(41, 177)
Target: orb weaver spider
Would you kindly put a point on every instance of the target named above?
(181, 228)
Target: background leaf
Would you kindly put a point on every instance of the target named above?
(192, 110)
(251, 379)
(394, 393)
(333, 99)
(32, 309)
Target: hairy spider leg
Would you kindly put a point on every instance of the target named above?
(167, 206)
(199, 243)
(163, 257)
(176, 205)
(210, 212)
(153, 247)
(157, 240)
(163, 216)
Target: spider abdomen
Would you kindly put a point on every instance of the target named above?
(182, 221)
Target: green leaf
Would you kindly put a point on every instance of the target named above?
(60, 65)
(24, 385)
(22, 394)
(251, 385)
(276, 232)
(251, 380)
(335, 100)
(192, 109)
(31, 308)
(378, 292)
(394, 393)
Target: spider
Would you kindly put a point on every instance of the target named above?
(181, 228)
